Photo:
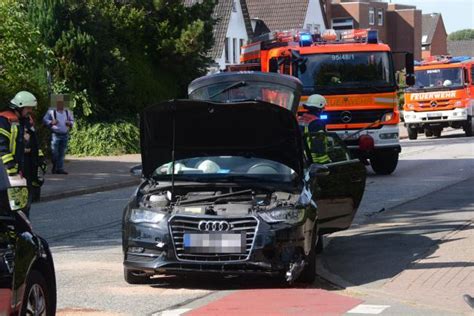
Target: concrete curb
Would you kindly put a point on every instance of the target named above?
(93, 189)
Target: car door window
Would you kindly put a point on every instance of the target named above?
(336, 149)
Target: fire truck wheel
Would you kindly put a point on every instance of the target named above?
(468, 127)
(437, 132)
(412, 133)
(428, 132)
(384, 163)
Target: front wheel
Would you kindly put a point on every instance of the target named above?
(37, 300)
(308, 275)
(412, 133)
(437, 132)
(384, 163)
(468, 129)
(428, 132)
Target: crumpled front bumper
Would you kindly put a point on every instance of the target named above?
(150, 249)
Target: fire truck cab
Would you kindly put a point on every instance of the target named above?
(443, 96)
(354, 71)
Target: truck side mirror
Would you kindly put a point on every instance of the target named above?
(410, 69)
(273, 65)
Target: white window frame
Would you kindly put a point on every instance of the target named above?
(235, 47)
(380, 17)
(371, 16)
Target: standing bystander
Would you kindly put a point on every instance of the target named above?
(59, 120)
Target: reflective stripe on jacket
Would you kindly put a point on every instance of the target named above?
(318, 145)
(11, 135)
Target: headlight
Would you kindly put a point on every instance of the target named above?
(458, 104)
(387, 117)
(411, 106)
(146, 216)
(290, 216)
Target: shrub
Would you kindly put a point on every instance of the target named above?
(102, 139)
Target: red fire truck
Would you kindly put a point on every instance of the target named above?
(354, 71)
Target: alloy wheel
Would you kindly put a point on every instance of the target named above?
(36, 303)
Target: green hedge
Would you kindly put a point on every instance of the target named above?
(104, 139)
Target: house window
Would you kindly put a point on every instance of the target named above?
(227, 50)
(235, 50)
(371, 16)
(309, 27)
(241, 43)
(380, 17)
(317, 28)
(342, 24)
(234, 6)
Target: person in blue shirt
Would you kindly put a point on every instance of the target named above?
(59, 120)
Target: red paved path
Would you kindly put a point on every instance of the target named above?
(279, 302)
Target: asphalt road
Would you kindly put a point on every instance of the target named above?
(84, 233)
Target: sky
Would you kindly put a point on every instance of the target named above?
(457, 14)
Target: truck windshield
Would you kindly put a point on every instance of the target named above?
(333, 72)
(437, 78)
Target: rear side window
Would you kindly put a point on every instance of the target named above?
(472, 75)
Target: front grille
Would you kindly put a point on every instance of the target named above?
(181, 224)
(356, 116)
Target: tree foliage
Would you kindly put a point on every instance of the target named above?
(467, 34)
(116, 57)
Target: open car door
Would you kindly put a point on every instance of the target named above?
(339, 194)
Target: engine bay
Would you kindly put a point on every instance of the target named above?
(222, 201)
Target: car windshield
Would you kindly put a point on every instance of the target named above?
(246, 90)
(227, 168)
(338, 71)
(438, 78)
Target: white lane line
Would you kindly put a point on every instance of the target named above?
(173, 312)
(368, 309)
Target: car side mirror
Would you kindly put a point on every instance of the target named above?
(317, 170)
(136, 171)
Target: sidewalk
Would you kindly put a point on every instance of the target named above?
(90, 174)
(420, 253)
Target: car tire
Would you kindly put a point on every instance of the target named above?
(437, 132)
(135, 277)
(412, 133)
(428, 133)
(308, 275)
(37, 299)
(468, 127)
(384, 163)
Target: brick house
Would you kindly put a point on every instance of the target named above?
(461, 48)
(398, 25)
(434, 36)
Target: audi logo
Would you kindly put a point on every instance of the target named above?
(346, 117)
(214, 226)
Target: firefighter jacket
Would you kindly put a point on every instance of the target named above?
(12, 148)
(34, 160)
(314, 134)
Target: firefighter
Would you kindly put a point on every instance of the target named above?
(13, 123)
(314, 128)
(34, 162)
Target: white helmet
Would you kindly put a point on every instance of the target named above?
(317, 101)
(209, 166)
(447, 83)
(23, 99)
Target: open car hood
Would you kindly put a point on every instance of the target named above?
(201, 128)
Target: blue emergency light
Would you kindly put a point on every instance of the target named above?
(372, 37)
(323, 117)
(306, 39)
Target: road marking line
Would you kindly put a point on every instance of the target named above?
(368, 309)
(173, 312)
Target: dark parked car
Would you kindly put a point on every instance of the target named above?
(228, 188)
(27, 279)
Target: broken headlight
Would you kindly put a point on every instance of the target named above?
(284, 215)
(146, 216)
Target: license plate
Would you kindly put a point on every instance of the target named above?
(214, 243)
(433, 114)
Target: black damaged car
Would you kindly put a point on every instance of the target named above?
(27, 278)
(228, 189)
